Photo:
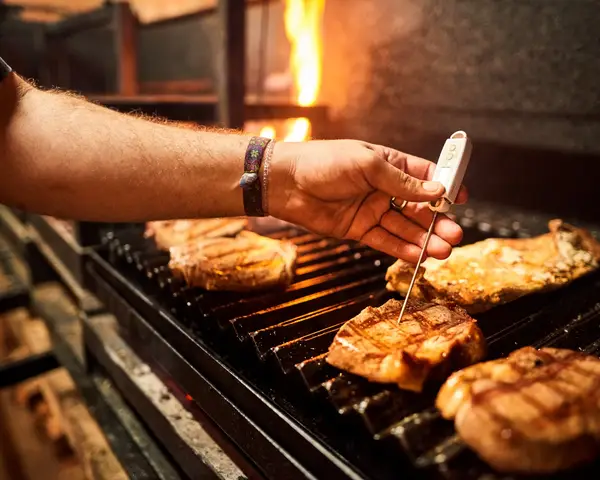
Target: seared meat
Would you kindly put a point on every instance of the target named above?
(537, 411)
(431, 341)
(170, 233)
(496, 271)
(246, 262)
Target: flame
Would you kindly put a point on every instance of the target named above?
(303, 29)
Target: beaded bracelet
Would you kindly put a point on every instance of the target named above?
(4, 69)
(265, 176)
(250, 182)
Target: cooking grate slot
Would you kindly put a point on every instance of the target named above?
(304, 305)
(574, 334)
(345, 390)
(332, 253)
(289, 354)
(314, 245)
(287, 232)
(167, 282)
(284, 336)
(592, 348)
(315, 371)
(389, 407)
(557, 312)
(150, 261)
(335, 263)
(420, 434)
(455, 462)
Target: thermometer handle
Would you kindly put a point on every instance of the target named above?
(451, 168)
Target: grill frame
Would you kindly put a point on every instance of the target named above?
(161, 337)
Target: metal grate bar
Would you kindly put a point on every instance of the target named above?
(295, 334)
(315, 371)
(304, 305)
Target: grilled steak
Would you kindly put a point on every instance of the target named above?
(496, 271)
(246, 262)
(170, 233)
(537, 411)
(431, 341)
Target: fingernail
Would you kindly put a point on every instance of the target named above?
(432, 186)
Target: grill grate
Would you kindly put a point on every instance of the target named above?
(292, 329)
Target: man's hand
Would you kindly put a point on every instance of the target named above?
(343, 188)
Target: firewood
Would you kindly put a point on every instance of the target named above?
(62, 415)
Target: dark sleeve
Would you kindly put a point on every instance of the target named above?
(4, 69)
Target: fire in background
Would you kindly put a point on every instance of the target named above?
(303, 20)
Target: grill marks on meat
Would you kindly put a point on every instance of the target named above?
(171, 233)
(431, 341)
(246, 262)
(536, 411)
(496, 271)
(205, 254)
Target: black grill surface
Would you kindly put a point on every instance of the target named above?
(280, 339)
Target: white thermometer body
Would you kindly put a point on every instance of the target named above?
(451, 168)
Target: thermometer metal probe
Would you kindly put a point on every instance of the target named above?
(449, 171)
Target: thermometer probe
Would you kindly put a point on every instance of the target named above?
(449, 171)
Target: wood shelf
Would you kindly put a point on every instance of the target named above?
(203, 108)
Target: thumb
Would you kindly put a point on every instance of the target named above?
(396, 183)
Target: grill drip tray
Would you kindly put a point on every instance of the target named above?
(265, 354)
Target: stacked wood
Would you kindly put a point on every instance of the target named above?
(52, 398)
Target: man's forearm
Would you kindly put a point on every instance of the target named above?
(63, 156)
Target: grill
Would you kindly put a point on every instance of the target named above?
(263, 354)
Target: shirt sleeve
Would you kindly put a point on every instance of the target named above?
(4, 69)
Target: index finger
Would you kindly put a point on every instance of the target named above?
(415, 166)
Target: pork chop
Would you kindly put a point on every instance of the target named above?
(431, 341)
(536, 411)
(496, 271)
(171, 233)
(242, 263)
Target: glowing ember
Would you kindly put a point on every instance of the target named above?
(303, 30)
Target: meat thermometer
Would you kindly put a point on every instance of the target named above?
(449, 171)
